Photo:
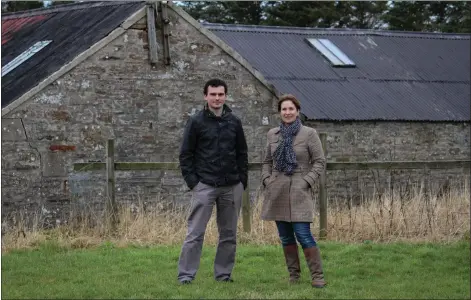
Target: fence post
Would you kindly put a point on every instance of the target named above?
(323, 193)
(246, 213)
(111, 207)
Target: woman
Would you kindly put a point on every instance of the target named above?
(293, 162)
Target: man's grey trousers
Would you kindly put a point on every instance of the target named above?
(228, 201)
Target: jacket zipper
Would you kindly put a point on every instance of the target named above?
(219, 144)
(289, 198)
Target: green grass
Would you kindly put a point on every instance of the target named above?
(376, 271)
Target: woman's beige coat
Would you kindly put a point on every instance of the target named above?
(289, 198)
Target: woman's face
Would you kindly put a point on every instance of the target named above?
(288, 112)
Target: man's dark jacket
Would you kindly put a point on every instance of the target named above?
(214, 150)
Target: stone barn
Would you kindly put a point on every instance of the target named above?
(76, 75)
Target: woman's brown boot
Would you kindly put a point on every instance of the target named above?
(313, 259)
(292, 262)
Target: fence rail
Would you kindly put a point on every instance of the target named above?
(111, 166)
(255, 166)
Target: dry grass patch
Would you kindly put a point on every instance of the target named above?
(420, 216)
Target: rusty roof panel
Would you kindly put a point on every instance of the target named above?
(72, 30)
(9, 27)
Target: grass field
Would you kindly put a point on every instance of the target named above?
(391, 247)
(360, 271)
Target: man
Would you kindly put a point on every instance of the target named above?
(214, 164)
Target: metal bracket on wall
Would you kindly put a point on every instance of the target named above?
(152, 34)
(165, 30)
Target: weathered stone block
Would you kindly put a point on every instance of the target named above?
(54, 164)
(20, 156)
(13, 130)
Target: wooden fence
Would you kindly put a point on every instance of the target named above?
(111, 166)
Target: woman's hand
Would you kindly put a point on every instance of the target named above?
(306, 184)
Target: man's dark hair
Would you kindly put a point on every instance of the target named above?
(214, 83)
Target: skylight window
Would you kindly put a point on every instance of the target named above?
(336, 57)
(24, 56)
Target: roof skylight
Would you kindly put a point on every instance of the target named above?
(336, 57)
(24, 56)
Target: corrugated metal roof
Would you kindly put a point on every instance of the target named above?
(72, 29)
(9, 27)
(398, 75)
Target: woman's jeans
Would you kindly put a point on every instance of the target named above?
(301, 230)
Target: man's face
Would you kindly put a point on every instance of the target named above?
(215, 96)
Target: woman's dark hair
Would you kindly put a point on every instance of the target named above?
(289, 97)
(214, 83)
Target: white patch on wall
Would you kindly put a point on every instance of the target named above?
(49, 99)
(193, 111)
(193, 47)
(219, 62)
(265, 120)
(230, 98)
(85, 84)
(125, 38)
(181, 65)
(165, 76)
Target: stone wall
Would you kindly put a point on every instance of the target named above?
(393, 141)
(117, 94)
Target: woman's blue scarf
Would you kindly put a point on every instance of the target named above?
(284, 156)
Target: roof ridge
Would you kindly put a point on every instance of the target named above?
(333, 31)
(61, 8)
